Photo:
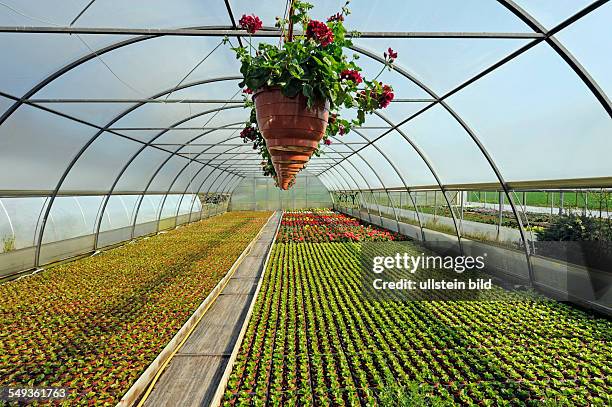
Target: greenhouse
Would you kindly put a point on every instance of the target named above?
(306, 203)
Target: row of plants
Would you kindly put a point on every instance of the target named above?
(95, 324)
(324, 225)
(316, 339)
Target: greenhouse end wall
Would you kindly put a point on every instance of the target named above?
(259, 193)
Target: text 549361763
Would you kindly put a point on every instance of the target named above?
(31, 393)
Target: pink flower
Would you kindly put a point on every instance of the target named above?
(248, 133)
(351, 75)
(250, 23)
(336, 17)
(392, 54)
(386, 96)
(319, 32)
(341, 129)
(327, 142)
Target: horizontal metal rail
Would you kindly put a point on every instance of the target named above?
(163, 101)
(192, 32)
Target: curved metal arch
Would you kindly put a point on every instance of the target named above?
(483, 151)
(196, 174)
(328, 183)
(434, 173)
(361, 192)
(163, 164)
(563, 52)
(199, 189)
(207, 176)
(210, 186)
(427, 163)
(194, 158)
(325, 182)
(355, 182)
(351, 176)
(472, 136)
(115, 46)
(555, 44)
(124, 43)
(401, 177)
(194, 193)
(76, 63)
(125, 167)
(212, 183)
(382, 183)
(353, 179)
(232, 185)
(86, 146)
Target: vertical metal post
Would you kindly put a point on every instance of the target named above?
(462, 204)
(552, 202)
(436, 204)
(501, 213)
(394, 211)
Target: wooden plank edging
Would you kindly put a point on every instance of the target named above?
(142, 383)
(216, 400)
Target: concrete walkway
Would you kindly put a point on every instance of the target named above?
(194, 373)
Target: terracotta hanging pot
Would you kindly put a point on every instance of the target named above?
(287, 124)
(284, 185)
(291, 166)
(287, 157)
(298, 167)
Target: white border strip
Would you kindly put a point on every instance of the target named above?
(218, 397)
(142, 383)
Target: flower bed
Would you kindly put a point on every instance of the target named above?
(95, 324)
(323, 225)
(314, 339)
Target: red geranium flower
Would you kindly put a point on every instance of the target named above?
(250, 23)
(386, 96)
(319, 32)
(351, 75)
(342, 130)
(336, 17)
(392, 54)
(247, 91)
(327, 142)
(248, 133)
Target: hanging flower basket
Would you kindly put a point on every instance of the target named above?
(296, 90)
(288, 125)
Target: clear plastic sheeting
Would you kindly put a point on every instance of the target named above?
(116, 134)
(74, 224)
(258, 193)
(547, 137)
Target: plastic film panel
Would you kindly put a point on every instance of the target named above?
(538, 120)
(37, 143)
(453, 154)
(411, 166)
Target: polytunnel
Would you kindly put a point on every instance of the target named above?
(121, 121)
